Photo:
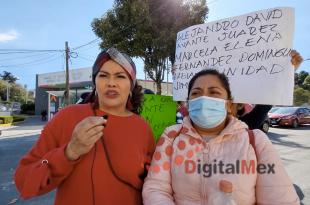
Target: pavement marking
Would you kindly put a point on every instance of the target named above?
(7, 128)
(6, 134)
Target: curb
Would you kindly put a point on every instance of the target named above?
(10, 124)
(6, 125)
(15, 123)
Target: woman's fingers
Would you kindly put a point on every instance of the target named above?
(95, 138)
(94, 130)
(225, 186)
(296, 59)
(85, 135)
(90, 122)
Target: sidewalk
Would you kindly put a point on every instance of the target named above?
(31, 126)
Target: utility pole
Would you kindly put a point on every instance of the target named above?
(67, 91)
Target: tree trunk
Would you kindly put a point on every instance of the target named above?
(158, 85)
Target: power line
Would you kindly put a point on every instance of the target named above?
(23, 57)
(90, 46)
(31, 50)
(22, 51)
(86, 44)
(35, 62)
(127, 27)
(84, 58)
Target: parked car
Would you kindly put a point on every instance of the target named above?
(3, 108)
(16, 107)
(273, 109)
(265, 126)
(290, 116)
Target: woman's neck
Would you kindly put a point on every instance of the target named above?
(116, 111)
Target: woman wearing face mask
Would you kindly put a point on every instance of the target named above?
(87, 158)
(210, 153)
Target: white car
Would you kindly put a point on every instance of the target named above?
(3, 108)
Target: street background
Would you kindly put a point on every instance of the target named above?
(293, 146)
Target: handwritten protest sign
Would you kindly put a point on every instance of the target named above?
(159, 111)
(252, 50)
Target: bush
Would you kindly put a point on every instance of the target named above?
(18, 118)
(301, 96)
(28, 108)
(6, 119)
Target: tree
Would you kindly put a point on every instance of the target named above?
(306, 83)
(300, 78)
(3, 87)
(9, 77)
(147, 29)
(30, 96)
(17, 93)
(301, 96)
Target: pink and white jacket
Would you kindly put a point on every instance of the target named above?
(186, 170)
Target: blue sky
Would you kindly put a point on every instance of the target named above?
(37, 24)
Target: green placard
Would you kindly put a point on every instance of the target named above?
(159, 111)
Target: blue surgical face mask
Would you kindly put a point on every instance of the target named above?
(207, 112)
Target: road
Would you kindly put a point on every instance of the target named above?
(293, 146)
(14, 143)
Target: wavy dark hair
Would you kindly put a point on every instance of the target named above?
(135, 100)
(221, 76)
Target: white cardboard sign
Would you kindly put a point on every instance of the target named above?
(252, 50)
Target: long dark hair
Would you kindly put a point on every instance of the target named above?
(221, 76)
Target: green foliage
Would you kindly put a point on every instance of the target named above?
(6, 119)
(306, 83)
(28, 108)
(18, 118)
(148, 29)
(301, 96)
(9, 77)
(30, 96)
(16, 92)
(300, 78)
(3, 87)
